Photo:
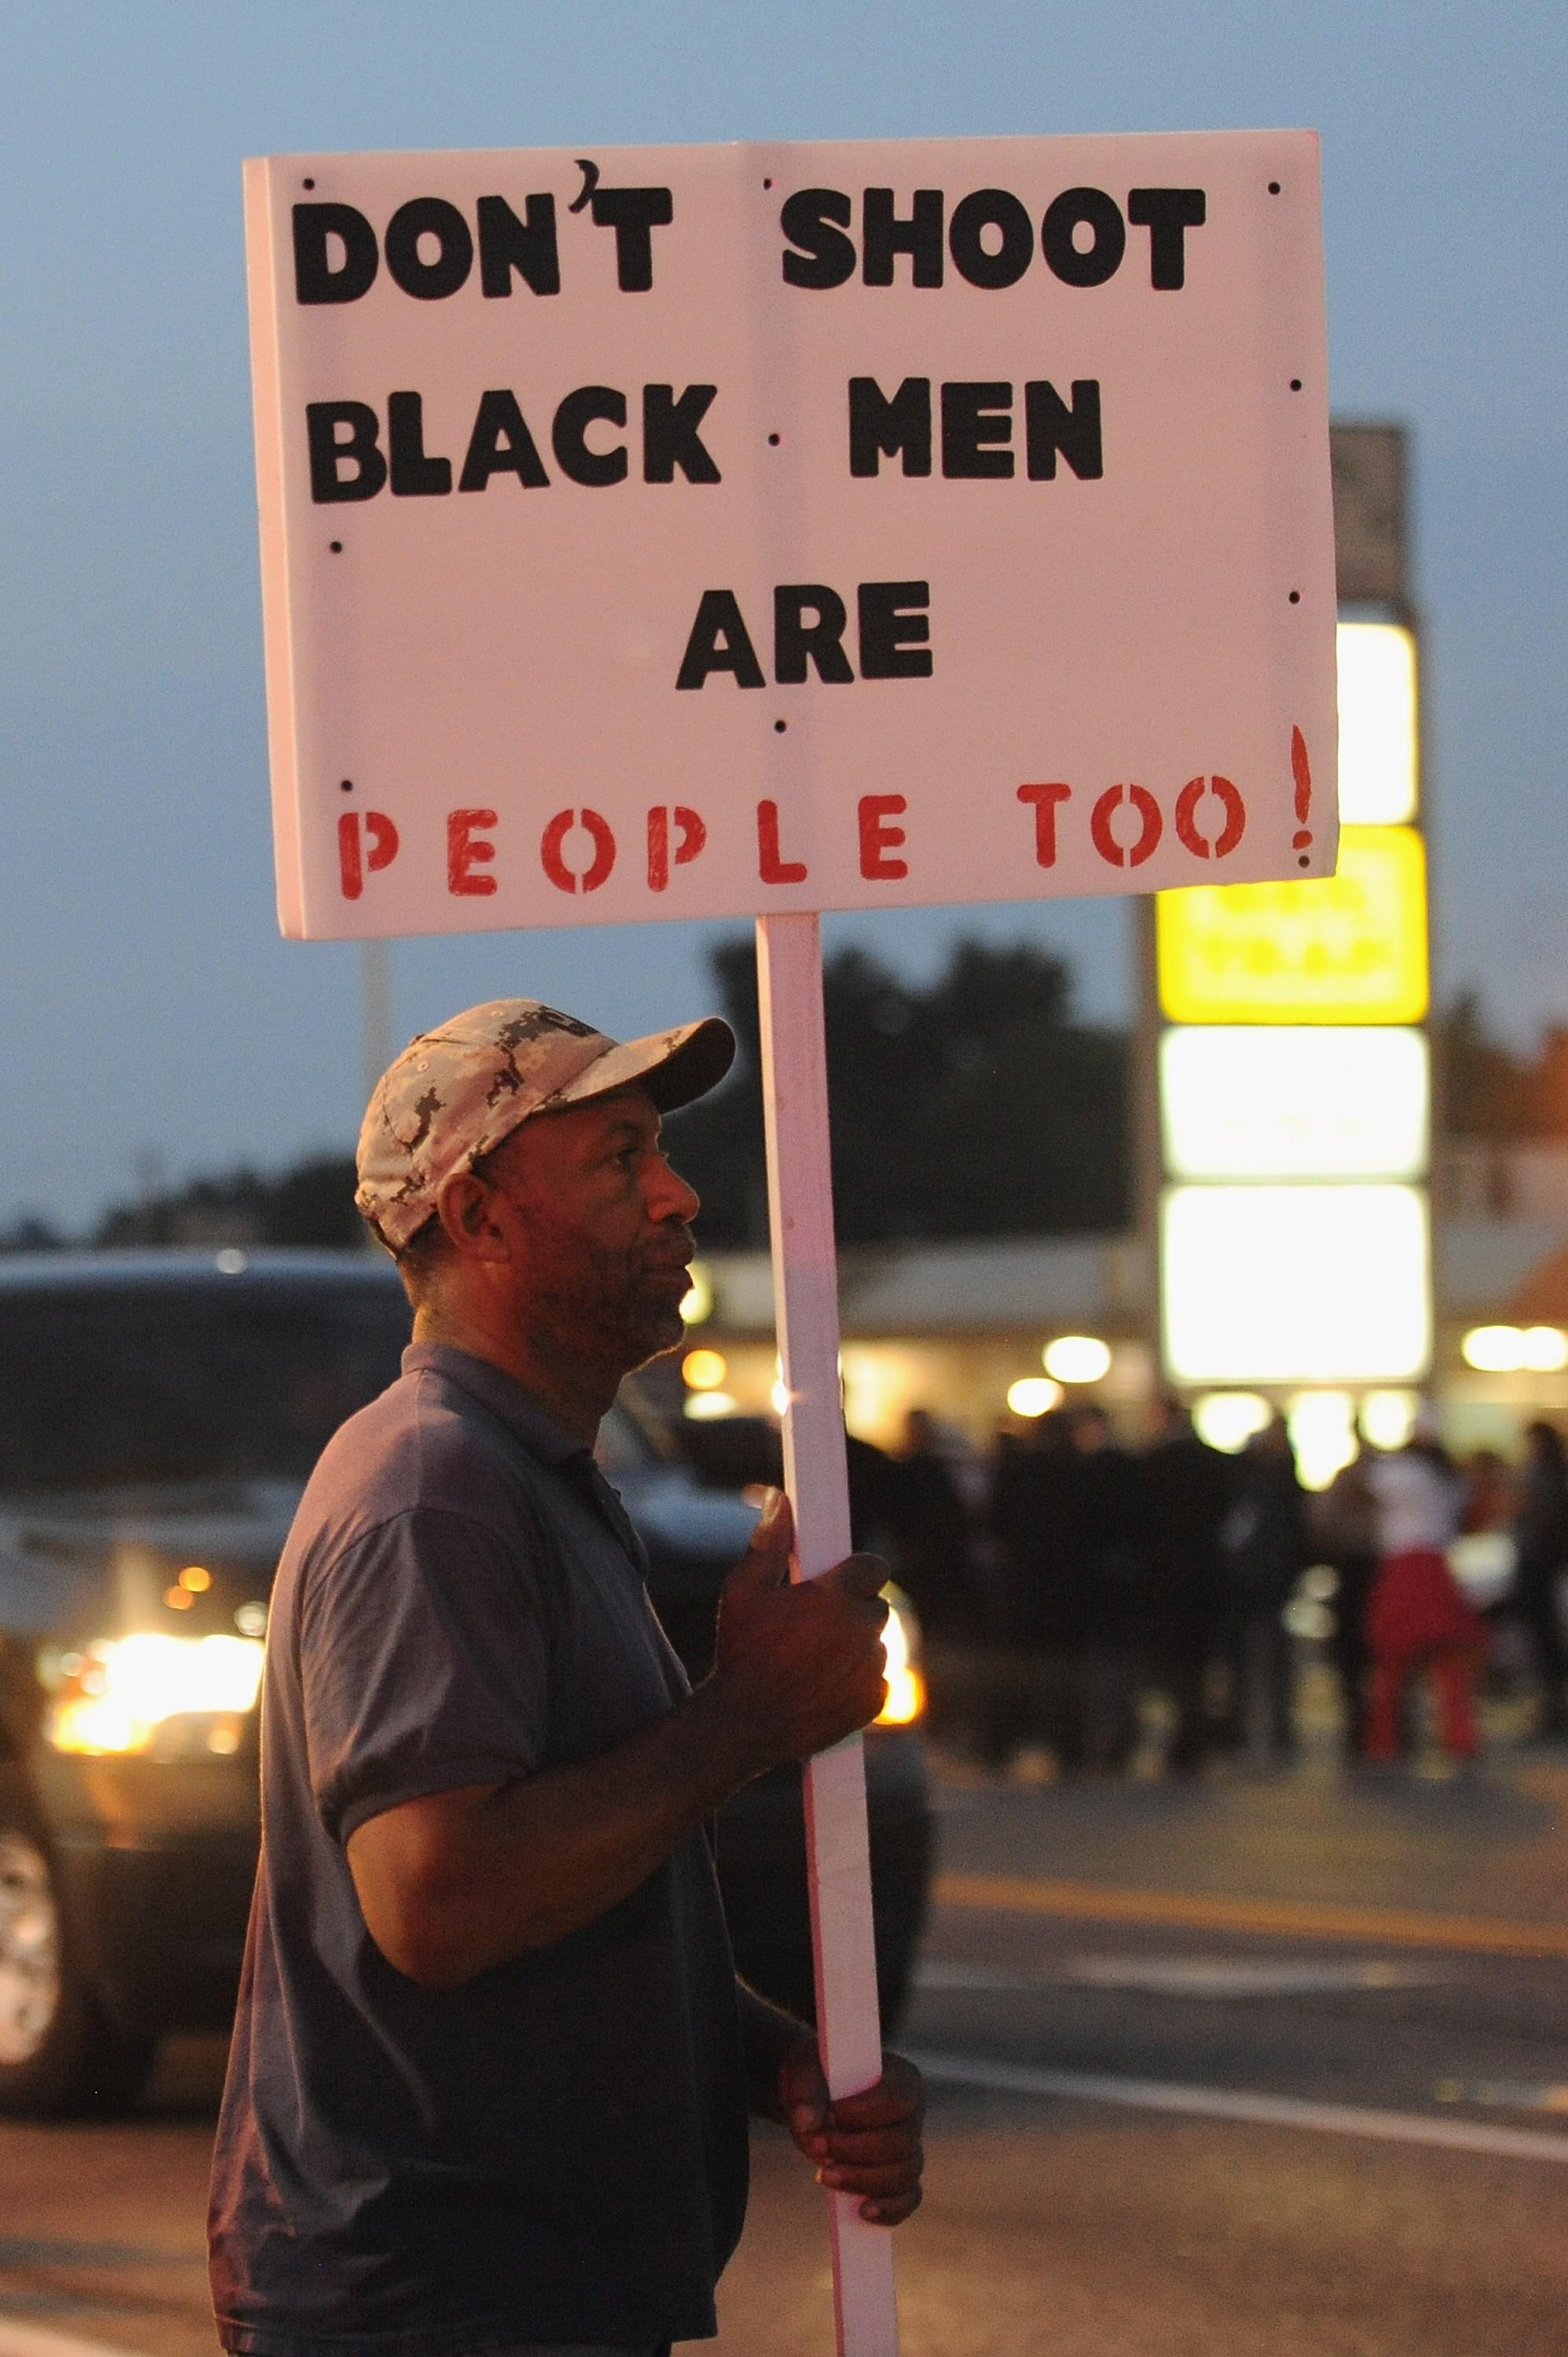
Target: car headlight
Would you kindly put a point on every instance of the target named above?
(905, 1686)
(118, 1695)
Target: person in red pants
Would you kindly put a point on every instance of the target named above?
(1417, 1615)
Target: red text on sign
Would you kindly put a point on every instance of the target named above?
(878, 839)
(690, 837)
(1151, 826)
(1046, 800)
(468, 849)
(382, 850)
(773, 867)
(552, 851)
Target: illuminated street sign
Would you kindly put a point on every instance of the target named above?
(1271, 1284)
(1256, 1103)
(1349, 948)
(1378, 752)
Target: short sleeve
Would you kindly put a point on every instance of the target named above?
(424, 1658)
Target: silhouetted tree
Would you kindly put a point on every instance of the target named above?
(312, 1204)
(1483, 1089)
(972, 1108)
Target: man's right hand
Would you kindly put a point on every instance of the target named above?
(802, 1665)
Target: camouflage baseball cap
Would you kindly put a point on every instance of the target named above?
(456, 1091)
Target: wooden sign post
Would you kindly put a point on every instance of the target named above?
(747, 531)
(806, 1310)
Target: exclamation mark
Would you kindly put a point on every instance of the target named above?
(1301, 769)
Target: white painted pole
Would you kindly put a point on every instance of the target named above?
(805, 1293)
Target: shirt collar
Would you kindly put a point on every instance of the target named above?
(503, 1395)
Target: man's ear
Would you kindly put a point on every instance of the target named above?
(466, 1207)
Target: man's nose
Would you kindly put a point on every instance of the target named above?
(669, 1197)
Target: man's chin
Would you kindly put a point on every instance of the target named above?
(660, 1329)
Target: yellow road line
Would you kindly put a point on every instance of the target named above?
(1213, 1911)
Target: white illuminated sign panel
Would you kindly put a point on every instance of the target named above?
(701, 531)
(1378, 746)
(1343, 1103)
(1271, 1284)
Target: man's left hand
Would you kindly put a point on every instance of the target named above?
(865, 2146)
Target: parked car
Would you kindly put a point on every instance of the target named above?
(162, 1413)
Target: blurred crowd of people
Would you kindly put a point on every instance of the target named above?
(1061, 1584)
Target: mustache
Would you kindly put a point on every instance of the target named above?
(674, 1250)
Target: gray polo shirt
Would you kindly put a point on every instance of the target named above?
(556, 2151)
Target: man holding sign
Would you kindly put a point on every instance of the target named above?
(756, 531)
(492, 2064)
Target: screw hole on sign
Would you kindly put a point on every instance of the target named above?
(345, 786)
(773, 441)
(308, 184)
(779, 727)
(1274, 187)
(1296, 596)
(336, 546)
(1296, 384)
(768, 184)
(1303, 861)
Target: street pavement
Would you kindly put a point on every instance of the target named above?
(1256, 2065)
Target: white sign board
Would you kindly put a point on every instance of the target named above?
(710, 531)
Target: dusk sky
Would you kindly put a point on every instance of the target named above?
(149, 1009)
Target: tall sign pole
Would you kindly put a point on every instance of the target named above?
(805, 1293)
(749, 532)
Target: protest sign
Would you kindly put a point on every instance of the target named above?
(679, 533)
(694, 533)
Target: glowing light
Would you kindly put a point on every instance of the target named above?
(905, 1686)
(121, 1691)
(252, 1620)
(1228, 1419)
(704, 1371)
(697, 1302)
(1323, 1434)
(1378, 768)
(178, 1599)
(230, 1262)
(1295, 1285)
(1348, 948)
(196, 1580)
(1511, 1349)
(1239, 1101)
(1076, 1359)
(1387, 1418)
(779, 1395)
(1034, 1396)
(706, 1407)
(1493, 1349)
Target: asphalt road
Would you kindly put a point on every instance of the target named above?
(1257, 2066)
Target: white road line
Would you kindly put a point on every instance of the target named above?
(36, 2341)
(1267, 2111)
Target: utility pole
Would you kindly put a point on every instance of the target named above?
(376, 1047)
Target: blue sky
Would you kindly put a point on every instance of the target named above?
(146, 1005)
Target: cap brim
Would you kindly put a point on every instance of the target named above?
(675, 1067)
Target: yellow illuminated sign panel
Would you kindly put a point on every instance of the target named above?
(1348, 948)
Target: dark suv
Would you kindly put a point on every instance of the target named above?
(161, 1414)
